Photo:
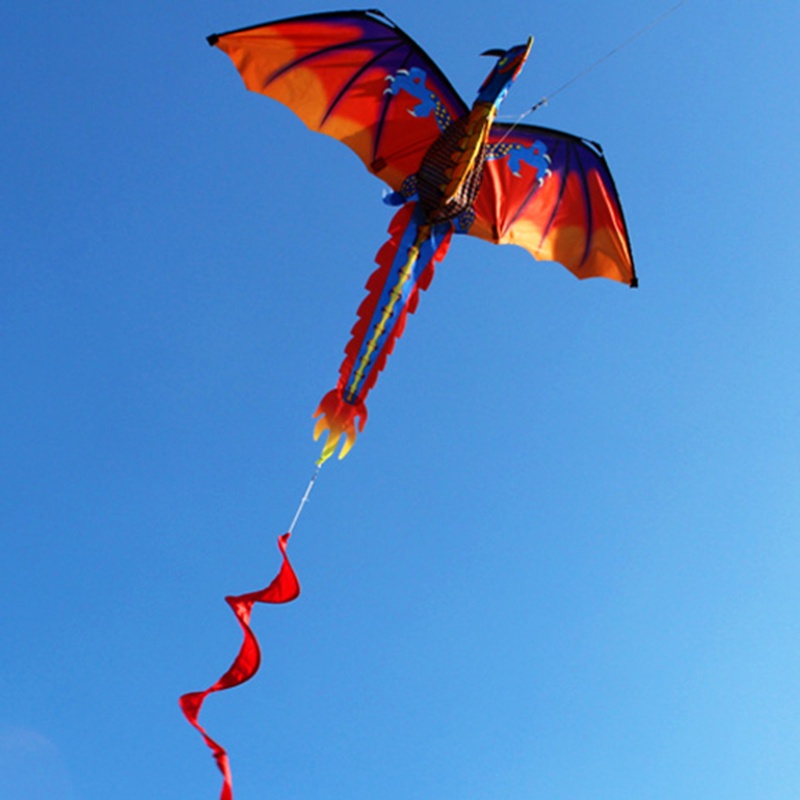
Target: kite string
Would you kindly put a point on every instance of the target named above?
(304, 498)
(583, 73)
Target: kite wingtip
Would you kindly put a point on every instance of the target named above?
(213, 39)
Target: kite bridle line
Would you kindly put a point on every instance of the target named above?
(583, 73)
(304, 498)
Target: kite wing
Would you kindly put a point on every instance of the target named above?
(553, 194)
(354, 76)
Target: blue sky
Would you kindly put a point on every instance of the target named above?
(561, 562)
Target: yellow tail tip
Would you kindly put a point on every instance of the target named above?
(339, 420)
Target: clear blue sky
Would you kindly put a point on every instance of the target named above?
(562, 562)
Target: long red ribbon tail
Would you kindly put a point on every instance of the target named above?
(283, 589)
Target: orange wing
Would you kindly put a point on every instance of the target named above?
(333, 70)
(553, 194)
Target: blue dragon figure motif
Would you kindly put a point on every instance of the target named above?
(413, 82)
(535, 156)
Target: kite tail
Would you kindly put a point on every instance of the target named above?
(283, 589)
(406, 265)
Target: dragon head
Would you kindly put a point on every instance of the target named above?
(508, 66)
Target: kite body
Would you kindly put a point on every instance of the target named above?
(357, 77)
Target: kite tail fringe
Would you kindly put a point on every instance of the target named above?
(283, 589)
(343, 411)
(339, 419)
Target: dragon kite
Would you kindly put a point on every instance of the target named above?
(357, 77)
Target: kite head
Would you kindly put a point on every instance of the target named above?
(508, 66)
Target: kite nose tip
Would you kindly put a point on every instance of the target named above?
(528, 46)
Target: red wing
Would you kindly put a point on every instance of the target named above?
(333, 71)
(561, 205)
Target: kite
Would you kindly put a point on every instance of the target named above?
(451, 169)
(357, 77)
